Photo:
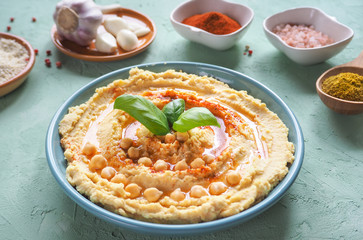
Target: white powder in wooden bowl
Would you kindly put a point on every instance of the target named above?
(13, 59)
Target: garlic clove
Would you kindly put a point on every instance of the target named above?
(142, 31)
(115, 24)
(133, 26)
(109, 8)
(127, 40)
(105, 42)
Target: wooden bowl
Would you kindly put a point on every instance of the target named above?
(336, 104)
(17, 80)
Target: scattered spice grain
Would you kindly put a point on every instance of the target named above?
(8, 28)
(11, 19)
(47, 62)
(49, 52)
(58, 64)
(34, 19)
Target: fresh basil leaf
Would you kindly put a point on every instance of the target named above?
(173, 110)
(144, 111)
(195, 117)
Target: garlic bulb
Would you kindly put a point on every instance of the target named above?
(77, 20)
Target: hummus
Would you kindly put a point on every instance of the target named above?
(200, 175)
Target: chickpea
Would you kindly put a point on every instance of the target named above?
(108, 172)
(128, 161)
(208, 158)
(126, 143)
(233, 178)
(98, 162)
(133, 152)
(177, 195)
(182, 136)
(160, 165)
(89, 149)
(152, 194)
(181, 165)
(217, 188)
(197, 163)
(169, 138)
(145, 161)
(198, 191)
(161, 138)
(119, 178)
(133, 189)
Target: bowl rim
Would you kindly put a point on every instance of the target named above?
(28, 66)
(318, 84)
(307, 49)
(175, 229)
(199, 30)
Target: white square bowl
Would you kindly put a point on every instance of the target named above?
(242, 14)
(340, 33)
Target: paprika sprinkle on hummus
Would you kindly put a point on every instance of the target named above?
(213, 22)
(173, 147)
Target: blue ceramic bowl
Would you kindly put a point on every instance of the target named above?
(236, 80)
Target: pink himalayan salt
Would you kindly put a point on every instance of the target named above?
(301, 36)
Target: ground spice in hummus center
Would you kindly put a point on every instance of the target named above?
(213, 22)
(347, 86)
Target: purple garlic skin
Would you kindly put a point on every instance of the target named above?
(81, 26)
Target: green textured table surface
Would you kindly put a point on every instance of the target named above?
(325, 202)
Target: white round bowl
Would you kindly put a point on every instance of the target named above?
(341, 34)
(242, 14)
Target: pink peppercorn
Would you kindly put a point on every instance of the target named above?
(250, 52)
(11, 19)
(49, 52)
(34, 19)
(8, 28)
(36, 51)
(47, 62)
(58, 64)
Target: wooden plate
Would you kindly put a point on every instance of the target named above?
(90, 53)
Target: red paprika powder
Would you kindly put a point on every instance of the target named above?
(213, 22)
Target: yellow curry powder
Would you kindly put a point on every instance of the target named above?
(347, 86)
